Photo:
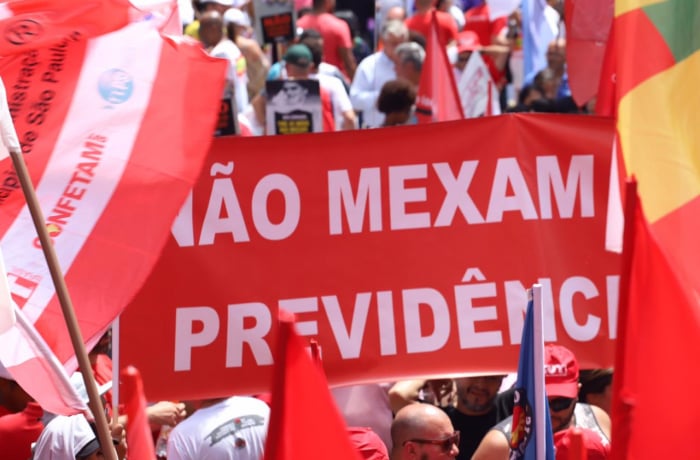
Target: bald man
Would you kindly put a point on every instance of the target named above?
(423, 432)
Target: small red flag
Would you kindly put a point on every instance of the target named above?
(138, 432)
(304, 420)
(438, 98)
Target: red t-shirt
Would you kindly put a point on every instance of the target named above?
(447, 27)
(18, 432)
(335, 33)
(477, 20)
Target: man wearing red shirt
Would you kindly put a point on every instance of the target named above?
(490, 32)
(421, 22)
(337, 40)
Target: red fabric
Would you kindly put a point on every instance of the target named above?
(368, 443)
(120, 234)
(303, 417)
(33, 24)
(446, 26)
(18, 432)
(657, 345)
(438, 98)
(138, 434)
(477, 20)
(574, 443)
(606, 102)
(587, 27)
(335, 33)
(102, 370)
(327, 111)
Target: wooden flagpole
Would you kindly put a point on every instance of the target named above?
(95, 403)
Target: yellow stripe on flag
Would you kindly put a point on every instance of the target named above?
(659, 127)
(623, 6)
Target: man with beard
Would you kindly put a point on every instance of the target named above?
(476, 407)
(562, 386)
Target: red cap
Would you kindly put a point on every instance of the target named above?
(594, 446)
(468, 41)
(560, 371)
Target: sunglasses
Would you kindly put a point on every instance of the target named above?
(445, 444)
(559, 404)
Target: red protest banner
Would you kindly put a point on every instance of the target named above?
(403, 252)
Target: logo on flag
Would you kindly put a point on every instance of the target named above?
(23, 31)
(116, 86)
(521, 430)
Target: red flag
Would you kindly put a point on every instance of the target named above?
(438, 98)
(303, 417)
(587, 27)
(138, 433)
(658, 339)
(114, 138)
(32, 24)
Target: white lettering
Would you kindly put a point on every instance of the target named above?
(580, 178)
(237, 334)
(186, 339)
(368, 191)
(416, 342)
(261, 219)
(400, 195)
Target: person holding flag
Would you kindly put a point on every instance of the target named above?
(528, 434)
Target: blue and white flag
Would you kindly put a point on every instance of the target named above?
(540, 27)
(531, 436)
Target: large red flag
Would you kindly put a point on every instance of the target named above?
(658, 339)
(138, 433)
(438, 98)
(303, 417)
(114, 131)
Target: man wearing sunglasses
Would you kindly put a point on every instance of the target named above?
(423, 432)
(561, 384)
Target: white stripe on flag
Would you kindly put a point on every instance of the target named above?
(7, 311)
(110, 100)
(30, 361)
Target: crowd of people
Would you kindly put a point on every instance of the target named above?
(362, 58)
(363, 82)
(465, 417)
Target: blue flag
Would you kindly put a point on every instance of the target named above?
(531, 437)
(537, 34)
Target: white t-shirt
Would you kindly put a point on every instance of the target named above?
(236, 71)
(371, 74)
(233, 429)
(339, 98)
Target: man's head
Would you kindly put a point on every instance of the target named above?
(314, 41)
(211, 28)
(217, 5)
(423, 432)
(294, 92)
(476, 395)
(394, 32)
(596, 388)
(561, 383)
(410, 57)
(298, 61)
(467, 43)
(12, 396)
(556, 55)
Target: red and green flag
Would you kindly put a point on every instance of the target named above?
(657, 49)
